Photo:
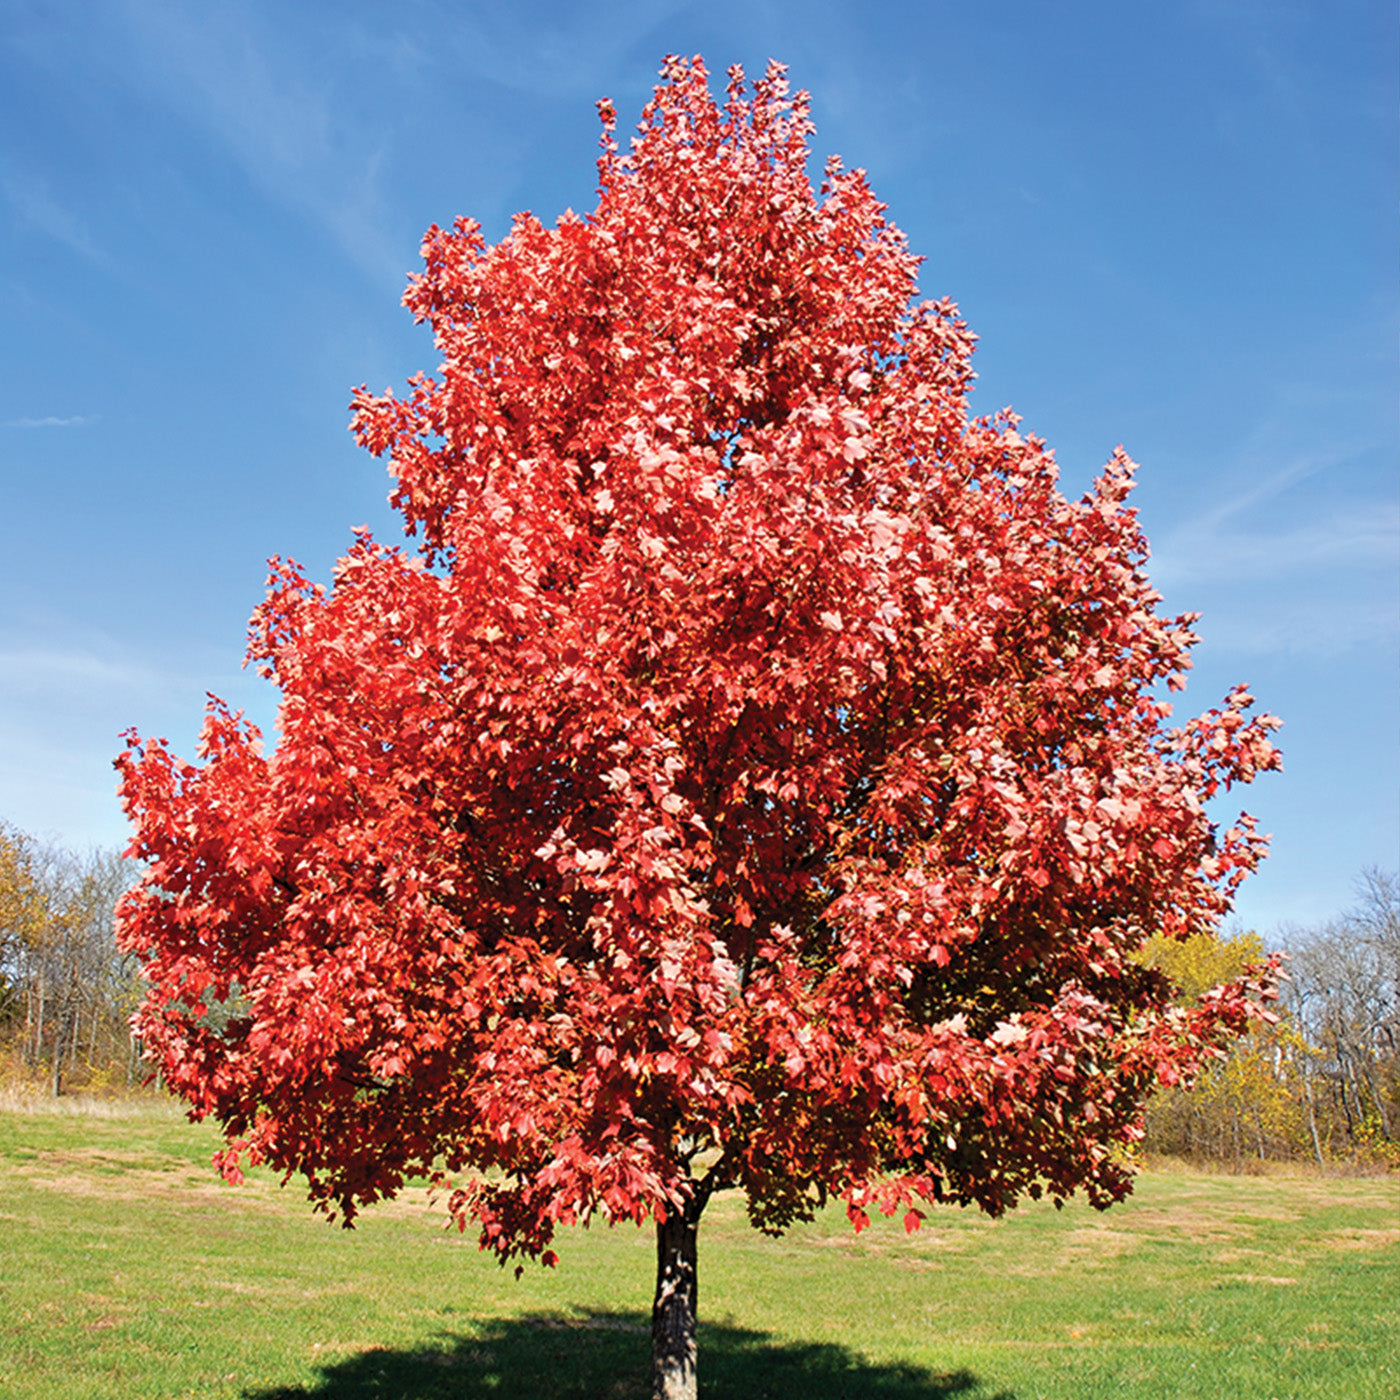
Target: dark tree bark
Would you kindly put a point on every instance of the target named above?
(673, 1313)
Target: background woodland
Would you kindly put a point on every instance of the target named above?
(1322, 1083)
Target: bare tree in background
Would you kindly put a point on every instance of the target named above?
(1324, 1081)
(66, 993)
(1344, 993)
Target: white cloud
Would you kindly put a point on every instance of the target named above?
(49, 422)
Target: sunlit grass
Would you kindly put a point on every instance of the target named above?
(128, 1269)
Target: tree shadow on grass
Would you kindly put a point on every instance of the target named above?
(606, 1356)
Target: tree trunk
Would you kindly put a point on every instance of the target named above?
(1312, 1121)
(60, 1035)
(37, 1053)
(673, 1313)
(77, 1032)
(1379, 1102)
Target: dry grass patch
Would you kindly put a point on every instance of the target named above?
(1095, 1244)
(177, 1184)
(1359, 1239)
(28, 1099)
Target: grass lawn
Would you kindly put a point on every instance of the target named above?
(127, 1269)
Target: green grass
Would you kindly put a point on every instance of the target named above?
(127, 1269)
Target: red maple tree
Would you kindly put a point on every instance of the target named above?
(758, 778)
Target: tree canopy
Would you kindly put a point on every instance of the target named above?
(759, 776)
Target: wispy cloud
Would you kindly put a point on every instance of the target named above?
(1306, 628)
(77, 671)
(534, 48)
(313, 137)
(283, 128)
(1265, 488)
(1293, 553)
(36, 208)
(1212, 550)
(61, 713)
(1287, 520)
(50, 422)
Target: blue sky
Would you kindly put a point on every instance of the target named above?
(1172, 226)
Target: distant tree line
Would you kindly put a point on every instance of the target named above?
(66, 993)
(1324, 1080)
